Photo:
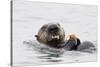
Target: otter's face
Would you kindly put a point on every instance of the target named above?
(55, 33)
(51, 34)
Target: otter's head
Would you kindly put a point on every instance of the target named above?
(51, 34)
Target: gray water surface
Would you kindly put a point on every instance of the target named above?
(29, 16)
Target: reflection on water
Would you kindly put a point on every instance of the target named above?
(51, 55)
(49, 58)
(36, 53)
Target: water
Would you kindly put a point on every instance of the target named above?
(29, 16)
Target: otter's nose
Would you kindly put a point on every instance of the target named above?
(53, 28)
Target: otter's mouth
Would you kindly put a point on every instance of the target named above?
(55, 37)
(55, 41)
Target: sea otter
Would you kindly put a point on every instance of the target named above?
(53, 35)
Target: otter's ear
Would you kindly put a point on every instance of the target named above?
(36, 36)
